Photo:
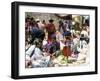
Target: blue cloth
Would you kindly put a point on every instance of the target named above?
(67, 33)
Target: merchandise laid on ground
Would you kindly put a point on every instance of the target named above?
(56, 40)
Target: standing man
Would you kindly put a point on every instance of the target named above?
(50, 28)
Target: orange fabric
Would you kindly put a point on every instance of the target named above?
(66, 51)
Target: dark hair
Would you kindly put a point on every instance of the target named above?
(26, 19)
(85, 24)
(61, 22)
(82, 35)
(43, 21)
(68, 37)
(74, 36)
(33, 23)
(32, 18)
(51, 20)
(37, 41)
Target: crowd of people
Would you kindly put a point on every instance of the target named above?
(49, 46)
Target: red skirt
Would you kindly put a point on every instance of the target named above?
(66, 51)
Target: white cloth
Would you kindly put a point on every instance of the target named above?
(59, 36)
(75, 41)
(29, 51)
(41, 26)
(83, 44)
(85, 33)
(62, 45)
(44, 42)
(40, 62)
(37, 54)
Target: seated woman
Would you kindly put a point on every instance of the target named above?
(37, 58)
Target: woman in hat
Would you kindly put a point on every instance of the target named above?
(67, 48)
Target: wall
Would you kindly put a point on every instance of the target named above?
(5, 40)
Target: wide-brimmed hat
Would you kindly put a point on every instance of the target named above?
(51, 20)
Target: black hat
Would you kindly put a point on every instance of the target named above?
(51, 20)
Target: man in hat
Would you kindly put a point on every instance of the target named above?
(50, 28)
